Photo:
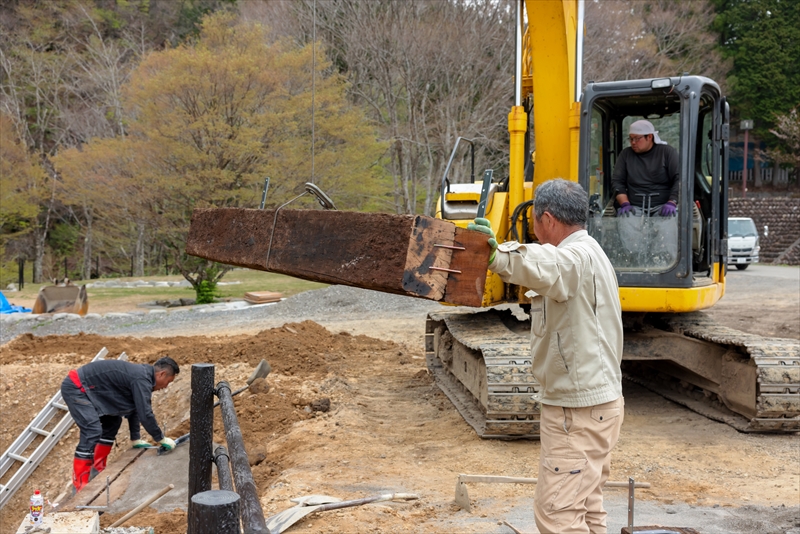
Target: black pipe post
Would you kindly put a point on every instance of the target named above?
(221, 460)
(201, 428)
(21, 262)
(252, 514)
(215, 512)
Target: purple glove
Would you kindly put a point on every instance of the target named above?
(624, 210)
(668, 209)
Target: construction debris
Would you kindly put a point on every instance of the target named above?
(84, 522)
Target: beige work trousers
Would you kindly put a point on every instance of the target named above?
(574, 465)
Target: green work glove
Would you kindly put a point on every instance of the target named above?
(484, 226)
(167, 443)
(139, 444)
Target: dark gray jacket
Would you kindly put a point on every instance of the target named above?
(122, 388)
(655, 172)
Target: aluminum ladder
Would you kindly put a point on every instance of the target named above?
(15, 454)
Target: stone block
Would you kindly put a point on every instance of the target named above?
(83, 522)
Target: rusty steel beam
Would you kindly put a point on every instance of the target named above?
(402, 254)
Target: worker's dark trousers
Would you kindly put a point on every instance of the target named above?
(94, 428)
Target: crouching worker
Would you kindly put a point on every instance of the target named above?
(99, 395)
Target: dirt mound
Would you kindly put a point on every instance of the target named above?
(302, 356)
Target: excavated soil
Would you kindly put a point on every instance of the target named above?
(390, 429)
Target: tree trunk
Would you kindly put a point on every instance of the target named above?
(38, 254)
(86, 270)
(138, 253)
(43, 226)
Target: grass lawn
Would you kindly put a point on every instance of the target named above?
(117, 299)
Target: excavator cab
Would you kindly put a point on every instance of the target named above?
(670, 264)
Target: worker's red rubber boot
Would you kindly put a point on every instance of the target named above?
(101, 451)
(80, 472)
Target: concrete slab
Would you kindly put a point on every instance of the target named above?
(151, 473)
(84, 522)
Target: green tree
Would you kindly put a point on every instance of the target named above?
(763, 39)
(110, 189)
(23, 185)
(211, 119)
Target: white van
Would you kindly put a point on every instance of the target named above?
(743, 245)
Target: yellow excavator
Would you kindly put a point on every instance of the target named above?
(676, 266)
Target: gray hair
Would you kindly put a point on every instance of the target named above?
(167, 364)
(566, 201)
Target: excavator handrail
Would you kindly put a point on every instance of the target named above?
(445, 180)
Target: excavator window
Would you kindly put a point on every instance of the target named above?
(636, 244)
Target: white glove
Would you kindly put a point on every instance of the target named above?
(167, 443)
(139, 444)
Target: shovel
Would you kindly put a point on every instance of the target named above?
(261, 371)
(283, 520)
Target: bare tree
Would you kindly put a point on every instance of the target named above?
(629, 40)
(787, 129)
(428, 71)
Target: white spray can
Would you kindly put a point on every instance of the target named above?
(37, 508)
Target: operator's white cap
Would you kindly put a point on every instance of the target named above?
(645, 128)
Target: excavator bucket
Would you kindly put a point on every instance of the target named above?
(62, 299)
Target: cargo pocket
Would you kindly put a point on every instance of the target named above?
(561, 480)
(537, 313)
(601, 415)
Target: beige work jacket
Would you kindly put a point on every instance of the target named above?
(576, 318)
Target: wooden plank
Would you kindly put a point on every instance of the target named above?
(96, 487)
(262, 297)
(379, 251)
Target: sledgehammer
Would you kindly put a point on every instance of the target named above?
(261, 371)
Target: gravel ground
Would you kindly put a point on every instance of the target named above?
(339, 303)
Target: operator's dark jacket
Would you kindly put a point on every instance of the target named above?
(122, 388)
(654, 172)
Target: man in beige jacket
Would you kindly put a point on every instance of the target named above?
(576, 342)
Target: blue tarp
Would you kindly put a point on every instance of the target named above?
(5, 307)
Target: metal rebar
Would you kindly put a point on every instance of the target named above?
(222, 461)
(264, 193)
(631, 485)
(274, 222)
(445, 270)
(253, 521)
(201, 428)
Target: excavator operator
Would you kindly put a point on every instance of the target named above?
(645, 178)
(576, 343)
(99, 395)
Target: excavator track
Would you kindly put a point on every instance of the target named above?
(484, 367)
(481, 361)
(758, 386)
